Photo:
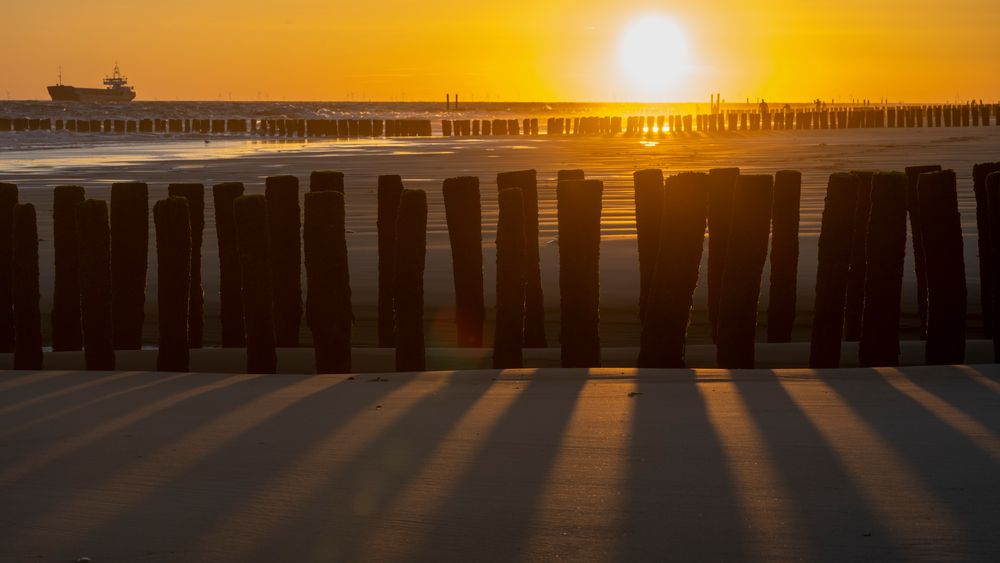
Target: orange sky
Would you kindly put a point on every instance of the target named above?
(530, 50)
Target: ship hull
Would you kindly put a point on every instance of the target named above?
(62, 93)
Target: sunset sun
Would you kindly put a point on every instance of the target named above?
(654, 55)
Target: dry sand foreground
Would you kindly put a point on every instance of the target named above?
(536, 465)
(424, 163)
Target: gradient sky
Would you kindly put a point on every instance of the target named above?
(523, 50)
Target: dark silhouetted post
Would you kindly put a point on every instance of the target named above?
(834, 260)
(389, 189)
(534, 300)
(913, 210)
(979, 174)
(326, 180)
(408, 280)
(511, 262)
(784, 255)
(579, 217)
(25, 292)
(328, 299)
(941, 228)
(722, 185)
(230, 280)
(993, 206)
(684, 210)
(8, 199)
(129, 255)
(886, 247)
(94, 237)
(464, 216)
(253, 243)
(67, 332)
(172, 218)
(195, 195)
(648, 214)
(283, 217)
(855, 299)
(745, 257)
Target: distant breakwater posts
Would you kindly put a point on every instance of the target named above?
(887, 117)
(101, 258)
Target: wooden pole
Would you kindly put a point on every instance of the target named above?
(129, 256)
(913, 211)
(992, 184)
(408, 280)
(855, 297)
(722, 186)
(834, 259)
(230, 278)
(648, 186)
(684, 214)
(326, 180)
(253, 241)
(389, 189)
(784, 255)
(94, 237)
(985, 242)
(8, 199)
(745, 257)
(886, 248)
(25, 289)
(283, 216)
(195, 196)
(172, 217)
(534, 300)
(511, 268)
(579, 218)
(941, 230)
(67, 331)
(463, 214)
(328, 302)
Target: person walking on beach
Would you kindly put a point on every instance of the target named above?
(763, 107)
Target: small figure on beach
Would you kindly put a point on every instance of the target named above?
(762, 106)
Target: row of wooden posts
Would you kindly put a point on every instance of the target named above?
(101, 262)
(966, 115)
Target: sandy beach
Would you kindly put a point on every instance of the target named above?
(531, 465)
(424, 163)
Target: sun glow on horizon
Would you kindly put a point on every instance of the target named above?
(655, 57)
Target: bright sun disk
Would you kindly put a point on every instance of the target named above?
(654, 54)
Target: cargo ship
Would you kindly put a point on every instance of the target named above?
(116, 89)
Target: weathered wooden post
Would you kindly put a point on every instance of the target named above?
(855, 296)
(408, 280)
(534, 300)
(886, 247)
(721, 191)
(579, 218)
(681, 233)
(834, 260)
(230, 279)
(511, 268)
(389, 189)
(745, 257)
(784, 255)
(8, 200)
(94, 237)
(941, 227)
(648, 185)
(129, 255)
(67, 333)
(172, 218)
(919, 264)
(254, 243)
(195, 196)
(993, 207)
(283, 216)
(328, 301)
(985, 242)
(25, 290)
(326, 180)
(463, 214)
